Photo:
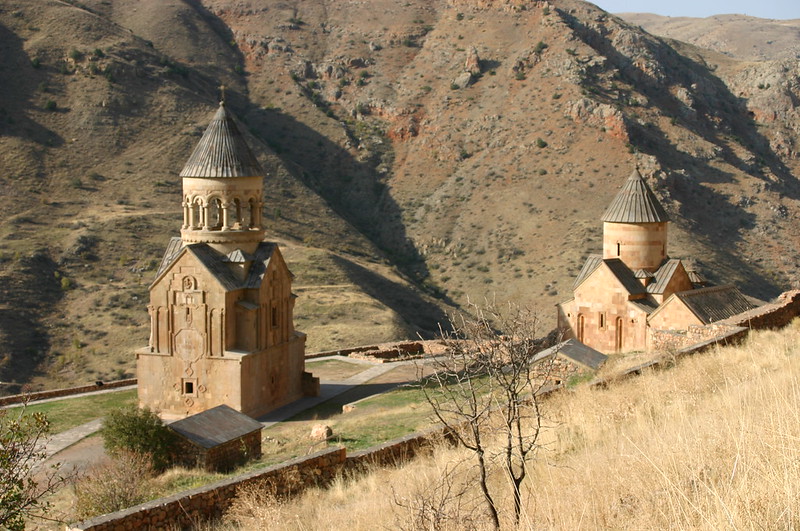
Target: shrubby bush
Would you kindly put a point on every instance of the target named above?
(139, 431)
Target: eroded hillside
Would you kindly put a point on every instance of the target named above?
(419, 154)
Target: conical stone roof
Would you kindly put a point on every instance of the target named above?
(223, 151)
(635, 203)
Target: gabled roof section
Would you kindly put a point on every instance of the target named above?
(715, 303)
(217, 263)
(625, 276)
(258, 269)
(575, 351)
(215, 426)
(222, 151)
(174, 248)
(635, 203)
(592, 263)
(617, 268)
(664, 275)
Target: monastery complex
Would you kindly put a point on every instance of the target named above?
(221, 306)
(634, 288)
(222, 329)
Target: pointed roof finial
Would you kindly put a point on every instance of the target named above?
(222, 94)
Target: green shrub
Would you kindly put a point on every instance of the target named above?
(540, 143)
(36, 62)
(51, 105)
(139, 431)
(540, 47)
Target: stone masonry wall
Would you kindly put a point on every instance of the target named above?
(67, 391)
(287, 479)
(211, 501)
(672, 340)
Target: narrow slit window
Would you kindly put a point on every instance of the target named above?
(602, 320)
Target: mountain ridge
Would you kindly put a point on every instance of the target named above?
(428, 152)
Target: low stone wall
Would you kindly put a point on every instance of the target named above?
(286, 479)
(211, 501)
(674, 340)
(398, 450)
(67, 391)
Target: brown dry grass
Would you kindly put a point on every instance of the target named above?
(712, 443)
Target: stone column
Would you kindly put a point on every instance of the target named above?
(192, 221)
(224, 207)
(204, 216)
(186, 215)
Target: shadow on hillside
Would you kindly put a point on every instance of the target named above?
(19, 82)
(422, 315)
(25, 302)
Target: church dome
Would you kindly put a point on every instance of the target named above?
(222, 151)
(635, 203)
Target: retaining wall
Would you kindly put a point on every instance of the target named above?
(286, 479)
(67, 391)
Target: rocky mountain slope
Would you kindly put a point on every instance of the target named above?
(738, 36)
(419, 154)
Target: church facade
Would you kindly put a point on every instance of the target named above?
(221, 306)
(634, 287)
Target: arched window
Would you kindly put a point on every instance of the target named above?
(195, 214)
(253, 204)
(215, 214)
(235, 214)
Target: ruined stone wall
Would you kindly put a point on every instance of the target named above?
(386, 351)
(672, 340)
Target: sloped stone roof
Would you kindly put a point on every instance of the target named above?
(625, 276)
(635, 203)
(575, 351)
(215, 426)
(217, 263)
(715, 303)
(663, 276)
(222, 151)
(593, 261)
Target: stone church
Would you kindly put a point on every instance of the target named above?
(634, 288)
(221, 306)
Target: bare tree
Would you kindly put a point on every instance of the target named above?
(24, 481)
(485, 389)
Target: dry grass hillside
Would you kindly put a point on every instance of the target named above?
(399, 185)
(708, 444)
